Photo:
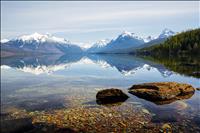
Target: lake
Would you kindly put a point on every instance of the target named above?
(58, 93)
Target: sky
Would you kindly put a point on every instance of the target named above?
(87, 22)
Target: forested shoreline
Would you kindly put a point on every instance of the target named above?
(185, 43)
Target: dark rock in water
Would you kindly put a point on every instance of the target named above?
(109, 96)
(16, 126)
(198, 89)
(162, 92)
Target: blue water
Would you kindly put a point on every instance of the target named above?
(28, 81)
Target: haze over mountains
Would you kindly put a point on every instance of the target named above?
(48, 44)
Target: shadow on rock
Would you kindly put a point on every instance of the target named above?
(162, 102)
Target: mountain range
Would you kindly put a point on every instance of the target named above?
(128, 42)
(47, 44)
(38, 44)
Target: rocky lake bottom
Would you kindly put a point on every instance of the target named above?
(58, 94)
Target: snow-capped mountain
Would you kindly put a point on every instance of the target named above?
(148, 39)
(4, 40)
(98, 46)
(39, 38)
(166, 33)
(101, 43)
(128, 42)
(129, 35)
(123, 41)
(38, 43)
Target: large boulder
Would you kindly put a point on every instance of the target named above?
(162, 92)
(110, 96)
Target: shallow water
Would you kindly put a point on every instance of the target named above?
(46, 85)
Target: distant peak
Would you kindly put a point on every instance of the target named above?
(166, 33)
(130, 35)
(148, 39)
(126, 33)
(101, 43)
(166, 30)
(4, 40)
(36, 34)
(41, 38)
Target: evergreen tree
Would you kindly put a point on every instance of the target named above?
(183, 43)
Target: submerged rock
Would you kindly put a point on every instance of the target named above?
(110, 96)
(166, 128)
(162, 92)
(146, 111)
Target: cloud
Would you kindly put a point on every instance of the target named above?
(134, 14)
(69, 17)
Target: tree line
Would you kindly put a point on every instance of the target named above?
(184, 43)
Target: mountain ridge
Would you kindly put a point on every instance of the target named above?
(49, 44)
(38, 44)
(127, 41)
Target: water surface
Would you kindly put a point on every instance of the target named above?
(49, 83)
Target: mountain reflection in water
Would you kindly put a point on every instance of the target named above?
(125, 64)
